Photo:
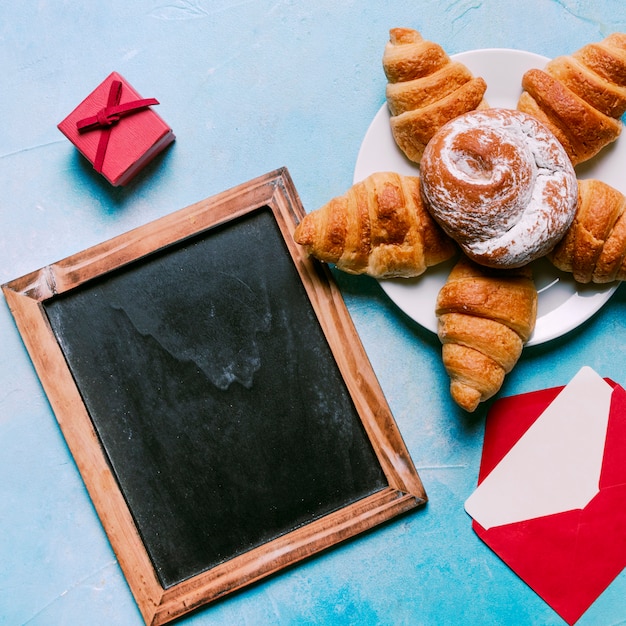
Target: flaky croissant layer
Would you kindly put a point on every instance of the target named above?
(425, 89)
(378, 227)
(594, 247)
(580, 97)
(484, 318)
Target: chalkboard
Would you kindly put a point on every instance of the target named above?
(209, 370)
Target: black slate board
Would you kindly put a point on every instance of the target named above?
(215, 395)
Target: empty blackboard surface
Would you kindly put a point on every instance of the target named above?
(215, 397)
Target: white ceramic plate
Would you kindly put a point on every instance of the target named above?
(563, 304)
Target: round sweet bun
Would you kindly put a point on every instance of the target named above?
(501, 185)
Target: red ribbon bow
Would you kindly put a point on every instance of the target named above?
(110, 115)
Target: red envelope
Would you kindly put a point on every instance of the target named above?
(571, 557)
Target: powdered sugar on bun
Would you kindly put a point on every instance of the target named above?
(501, 185)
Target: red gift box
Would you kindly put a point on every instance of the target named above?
(117, 130)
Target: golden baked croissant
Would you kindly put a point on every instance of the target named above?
(580, 97)
(378, 227)
(425, 89)
(484, 318)
(594, 246)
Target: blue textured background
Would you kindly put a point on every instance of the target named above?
(249, 87)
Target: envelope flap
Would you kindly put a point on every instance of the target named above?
(614, 467)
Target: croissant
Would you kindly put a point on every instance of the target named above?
(484, 318)
(594, 246)
(425, 89)
(378, 227)
(580, 97)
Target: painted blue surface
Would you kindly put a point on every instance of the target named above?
(249, 87)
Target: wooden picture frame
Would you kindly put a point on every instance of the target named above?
(48, 325)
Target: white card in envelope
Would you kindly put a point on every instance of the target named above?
(555, 466)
